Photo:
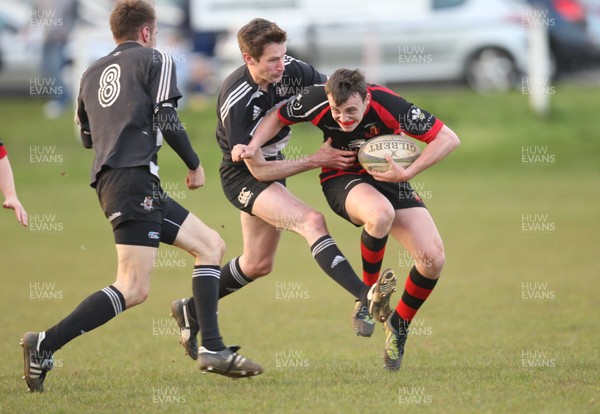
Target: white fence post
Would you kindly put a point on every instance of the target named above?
(538, 82)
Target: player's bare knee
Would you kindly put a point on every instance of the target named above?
(210, 249)
(254, 270)
(135, 295)
(379, 222)
(431, 263)
(314, 221)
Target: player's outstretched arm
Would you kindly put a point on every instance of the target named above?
(326, 156)
(267, 128)
(443, 144)
(7, 188)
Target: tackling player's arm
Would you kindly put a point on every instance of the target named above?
(326, 156)
(436, 150)
(263, 170)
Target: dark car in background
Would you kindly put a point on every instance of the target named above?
(572, 44)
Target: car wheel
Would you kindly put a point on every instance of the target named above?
(491, 70)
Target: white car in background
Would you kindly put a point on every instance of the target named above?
(20, 48)
(482, 42)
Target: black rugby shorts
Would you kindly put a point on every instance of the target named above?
(140, 212)
(336, 190)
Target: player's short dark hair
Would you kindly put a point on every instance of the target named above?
(129, 17)
(344, 83)
(255, 35)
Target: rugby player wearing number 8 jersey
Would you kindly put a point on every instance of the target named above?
(126, 105)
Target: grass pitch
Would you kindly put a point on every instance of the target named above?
(513, 325)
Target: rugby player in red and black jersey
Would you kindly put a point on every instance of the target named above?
(7, 187)
(267, 79)
(126, 106)
(349, 112)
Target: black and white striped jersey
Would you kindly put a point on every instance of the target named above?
(241, 104)
(117, 98)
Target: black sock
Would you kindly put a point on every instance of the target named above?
(333, 262)
(94, 311)
(232, 278)
(205, 287)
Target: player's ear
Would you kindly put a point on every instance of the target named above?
(249, 60)
(146, 34)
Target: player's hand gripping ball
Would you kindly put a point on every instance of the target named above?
(402, 149)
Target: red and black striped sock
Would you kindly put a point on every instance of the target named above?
(416, 290)
(372, 251)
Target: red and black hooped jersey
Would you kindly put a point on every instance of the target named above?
(2, 150)
(387, 113)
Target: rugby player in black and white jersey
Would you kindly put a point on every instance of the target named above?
(267, 79)
(7, 187)
(349, 111)
(126, 100)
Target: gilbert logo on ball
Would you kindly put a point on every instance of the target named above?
(402, 149)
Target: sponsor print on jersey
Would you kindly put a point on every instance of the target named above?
(109, 85)
(355, 144)
(245, 196)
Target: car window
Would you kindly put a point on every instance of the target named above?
(442, 4)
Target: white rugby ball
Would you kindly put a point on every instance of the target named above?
(401, 148)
